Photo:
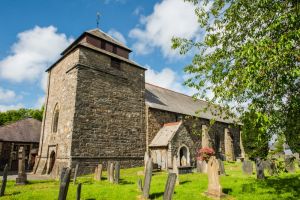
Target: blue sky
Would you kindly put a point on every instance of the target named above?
(34, 32)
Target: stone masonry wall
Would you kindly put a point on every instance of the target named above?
(61, 93)
(109, 121)
(156, 119)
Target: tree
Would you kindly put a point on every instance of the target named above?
(250, 55)
(15, 115)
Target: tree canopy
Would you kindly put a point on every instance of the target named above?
(250, 55)
(15, 115)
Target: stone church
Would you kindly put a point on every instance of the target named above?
(98, 108)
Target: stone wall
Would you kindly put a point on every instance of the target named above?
(216, 132)
(62, 80)
(109, 122)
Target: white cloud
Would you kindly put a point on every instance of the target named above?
(40, 102)
(167, 78)
(117, 35)
(7, 95)
(138, 10)
(4, 108)
(34, 51)
(169, 18)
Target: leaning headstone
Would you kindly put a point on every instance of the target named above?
(4, 180)
(64, 186)
(202, 166)
(78, 191)
(62, 174)
(221, 167)
(22, 177)
(175, 169)
(289, 164)
(170, 185)
(75, 173)
(140, 185)
(147, 179)
(247, 167)
(259, 169)
(98, 172)
(214, 188)
(117, 172)
(111, 172)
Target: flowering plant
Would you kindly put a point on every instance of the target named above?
(205, 153)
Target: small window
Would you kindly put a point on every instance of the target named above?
(55, 121)
(114, 49)
(115, 63)
(103, 44)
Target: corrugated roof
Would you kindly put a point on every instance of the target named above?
(26, 130)
(165, 134)
(168, 100)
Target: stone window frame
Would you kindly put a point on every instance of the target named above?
(55, 118)
(188, 160)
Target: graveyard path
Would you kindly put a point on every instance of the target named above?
(30, 177)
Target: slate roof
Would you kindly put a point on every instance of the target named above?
(165, 134)
(26, 130)
(168, 100)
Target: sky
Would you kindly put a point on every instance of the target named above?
(33, 34)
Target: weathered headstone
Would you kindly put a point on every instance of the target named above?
(289, 164)
(221, 167)
(78, 191)
(22, 177)
(4, 180)
(107, 168)
(117, 172)
(214, 188)
(147, 179)
(140, 185)
(175, 169)
(170, 186)
(259, 169)
(247, 167)
(111, 172)
(202, 166)
(64, 186)
(62, 174)
(75, 173)
(98, 172)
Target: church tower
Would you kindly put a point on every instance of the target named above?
(94, 108)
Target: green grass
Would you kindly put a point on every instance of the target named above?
(192, 187)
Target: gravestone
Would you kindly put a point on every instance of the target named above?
(4, 180)
(117, 172)
(78, 191)
(22, 177)
(202, 166)
(289, 164)
(259, 169)
(98, 172)
(75, 173)
(214, 188)
(175, 169)
(247, 167)
(111, 172)
(64, 186)
(170, 186)
(108, 171)
(62, 174)
(147, 179)
(221, 167)
(140, 185)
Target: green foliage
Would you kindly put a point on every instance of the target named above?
(250, 55)
(280, 140)
(15, 115)
(255, 134)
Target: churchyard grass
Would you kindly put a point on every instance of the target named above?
(192, 186)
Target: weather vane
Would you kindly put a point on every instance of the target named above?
(98, 19)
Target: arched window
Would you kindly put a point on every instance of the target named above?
(55, 119)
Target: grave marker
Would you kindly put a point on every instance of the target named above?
(62, 174)
(147, 179)
(289, 164)
(111, 172)
(117, 172)
(4, 180)
(98, 172)
(78, 191)
(259, 169)
(64, 186)
(175, 169)
(170, 185)
(221, 167)
(247, 167)
(75, 173)
(22, 177)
